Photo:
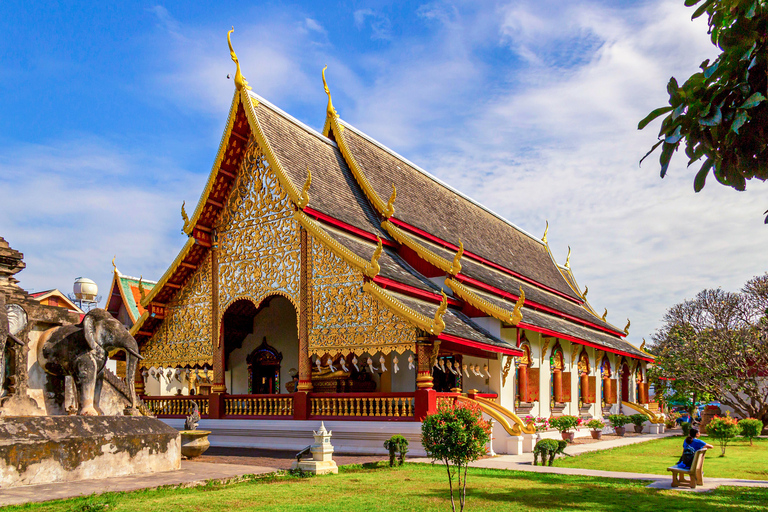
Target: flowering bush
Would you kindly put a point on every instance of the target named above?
(723, 428)
(750, 428)
(541, 424)
(618, 420)
(596, 424)
(456, 434)
(565, 423)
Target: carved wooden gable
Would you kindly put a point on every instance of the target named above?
(259, 243)
(184, 337)
(344, 318)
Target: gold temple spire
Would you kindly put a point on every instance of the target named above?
(373, 267)
(626, 328)
(642, 345)
(240, 81)
(390, 210)
(544, 238)
(331, 111)
(114, 267)
(605, 315)
(304, 198)
(456, 265)
(142, 293)
(586, 291)
(568, 258)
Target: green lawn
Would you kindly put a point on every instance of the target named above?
(740, 461)
(417, 487)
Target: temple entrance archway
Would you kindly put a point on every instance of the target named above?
(261, 345)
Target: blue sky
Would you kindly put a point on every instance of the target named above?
(112, 115)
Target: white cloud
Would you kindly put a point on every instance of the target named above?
(381, 26)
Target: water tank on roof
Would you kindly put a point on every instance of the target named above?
(85, 289)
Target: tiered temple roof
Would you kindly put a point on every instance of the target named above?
(433, 237)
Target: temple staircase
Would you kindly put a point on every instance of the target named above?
(510, 421)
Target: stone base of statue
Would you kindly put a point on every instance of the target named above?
(322, 461)
(46, 449)
(194, 442)
(19, 405)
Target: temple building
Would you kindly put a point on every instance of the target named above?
(327, 277)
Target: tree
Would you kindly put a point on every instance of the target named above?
(718, 343)
(721, 111)
(456, 435)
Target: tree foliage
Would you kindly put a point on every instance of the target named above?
(718, 344)
(723, 429)
(720, 112)
(456, 435)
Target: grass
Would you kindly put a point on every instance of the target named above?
(740, 461)
(416, 487)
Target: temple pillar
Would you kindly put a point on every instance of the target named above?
(425, 396)
(584, 387)
(606, 390)
(557, 384)
(305, 310)
(219, 388)
(522, 382)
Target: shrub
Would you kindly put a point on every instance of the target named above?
(540, 423)
(456, 434)
(596, 424)
(396, 444)
(750, 428)
(723, 428)
(618, 420)
(686, 426)
(638, 419)
(565, 423)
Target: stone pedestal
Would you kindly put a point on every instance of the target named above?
(46, 449)
(515, 445)
(322, 455)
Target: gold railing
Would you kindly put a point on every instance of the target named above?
(652, 417)
(516, 428)
(363, 406)
(173, 406)
(258, 406)
(445, 401)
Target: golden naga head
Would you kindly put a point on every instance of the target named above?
(456, 265)
(373, 268)
(438, 324)
(568, 258)
(546, 229)
(390, 210)
(331, 111)
(304, 198)
(240, 81)
(605, 315)
(142, 293)
(517, 314)
(626, 328)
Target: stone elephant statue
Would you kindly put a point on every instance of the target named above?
(81, 351)
(13, 320)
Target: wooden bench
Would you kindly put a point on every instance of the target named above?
(695, 474)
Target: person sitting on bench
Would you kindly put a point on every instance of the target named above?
(690, 446)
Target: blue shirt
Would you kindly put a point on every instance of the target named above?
(694, 446)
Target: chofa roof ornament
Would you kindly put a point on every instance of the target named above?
(240, 81)
(331, 110)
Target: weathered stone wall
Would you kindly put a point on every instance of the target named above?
(37, 450)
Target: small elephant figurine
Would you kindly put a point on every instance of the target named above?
(547, 448)
(81, 351)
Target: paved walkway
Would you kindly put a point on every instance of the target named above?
(190, 474)
(524, 462)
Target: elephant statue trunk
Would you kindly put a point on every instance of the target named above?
(82, 351)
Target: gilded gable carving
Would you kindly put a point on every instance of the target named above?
(184, 337)
(259, 244)
(344, 318)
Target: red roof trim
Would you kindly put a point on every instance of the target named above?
(534, 305)
(346, 227)
(474, 256)
(573, 339)
(482, 346)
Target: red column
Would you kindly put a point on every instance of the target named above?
(425, 395)
(522, 382)
(584, 387)
(219, 388)
(557, 384)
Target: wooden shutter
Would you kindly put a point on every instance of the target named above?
(613, 397)
(533, 385)
(590, 394)
(566, 394)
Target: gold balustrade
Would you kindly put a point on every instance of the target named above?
(258, 406)
(445, 401)
(174, 406)
(367, 406)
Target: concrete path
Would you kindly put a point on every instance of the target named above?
(524, 462)
(190, 474)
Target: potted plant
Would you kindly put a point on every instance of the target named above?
(596, 427)
(565, 424)
(618, 421)
(638, 420)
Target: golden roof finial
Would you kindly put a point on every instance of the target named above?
(184, 215)
(331, 111)
(568, 258)
(304, 198)
(586, 291)
(373, 267)
(642, 345)
(390, 210)
(544, 238)
(438, 324)
(517, 313)
(456, 265)
(114, 267)
(240, 81)
(141, 288)
(605, 314)
(626, 328)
